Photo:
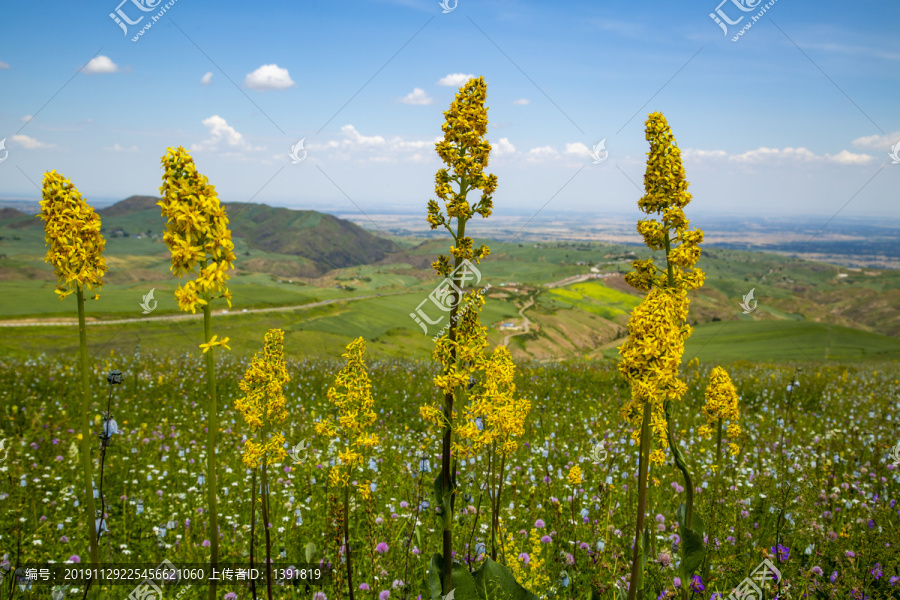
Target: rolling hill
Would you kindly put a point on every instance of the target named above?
(318, 241)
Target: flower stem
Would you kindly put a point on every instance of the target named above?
(264, 502)
(252, 528)
(447, 537)
(86, 432)
(643, 465)
(213, 429)
(347, 539)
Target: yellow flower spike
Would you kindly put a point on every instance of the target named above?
(263, 403)
(721, 403)
(72, 234)
(657, 328)
(351, 395)
(575, 475)
(197, 233)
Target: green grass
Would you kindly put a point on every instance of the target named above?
(763, 341)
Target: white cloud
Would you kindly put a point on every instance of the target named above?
(207, 79)
(503, 147)
(269, 77)
(26, 118)
(542, 153)
(30, 143)
(100, 64)
(222, 136)
(4, 65)
(454, 79)
(118, 148)
(578, 149)
(778, 156)
(845, 157)
(417, 96)
(358, 139)
(878, 142)
(522, 102)
(376, 148)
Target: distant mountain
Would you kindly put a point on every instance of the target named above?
(321, 241)
(322, 238)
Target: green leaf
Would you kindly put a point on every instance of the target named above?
(693, 550)
(696, 522)
(463, 583)
(496, 582)
(310, 552)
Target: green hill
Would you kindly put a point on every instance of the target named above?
(317, 241)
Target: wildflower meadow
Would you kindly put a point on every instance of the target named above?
(208, 473)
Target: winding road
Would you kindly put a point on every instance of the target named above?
(526, 323)
(224, 313)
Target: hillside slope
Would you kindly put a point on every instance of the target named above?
(323, 241)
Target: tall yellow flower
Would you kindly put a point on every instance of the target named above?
(72, 232)
(721, 404)
(263, 405)
(657, 328)
(197, 233)
(465, 151)
(352, 396)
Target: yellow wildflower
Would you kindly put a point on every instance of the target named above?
(263, 405)
(352, 396)
(575, 476)
(657, 328)
(214, 342)
(465, 151)
(72, 232)
(197, 233)
(721, 403)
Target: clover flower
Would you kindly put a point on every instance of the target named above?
(197, 233)
(72, 232)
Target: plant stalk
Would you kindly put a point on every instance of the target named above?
(643, 465)
(212, 434)
(86, 433)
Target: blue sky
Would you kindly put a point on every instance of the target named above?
(796, 117)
